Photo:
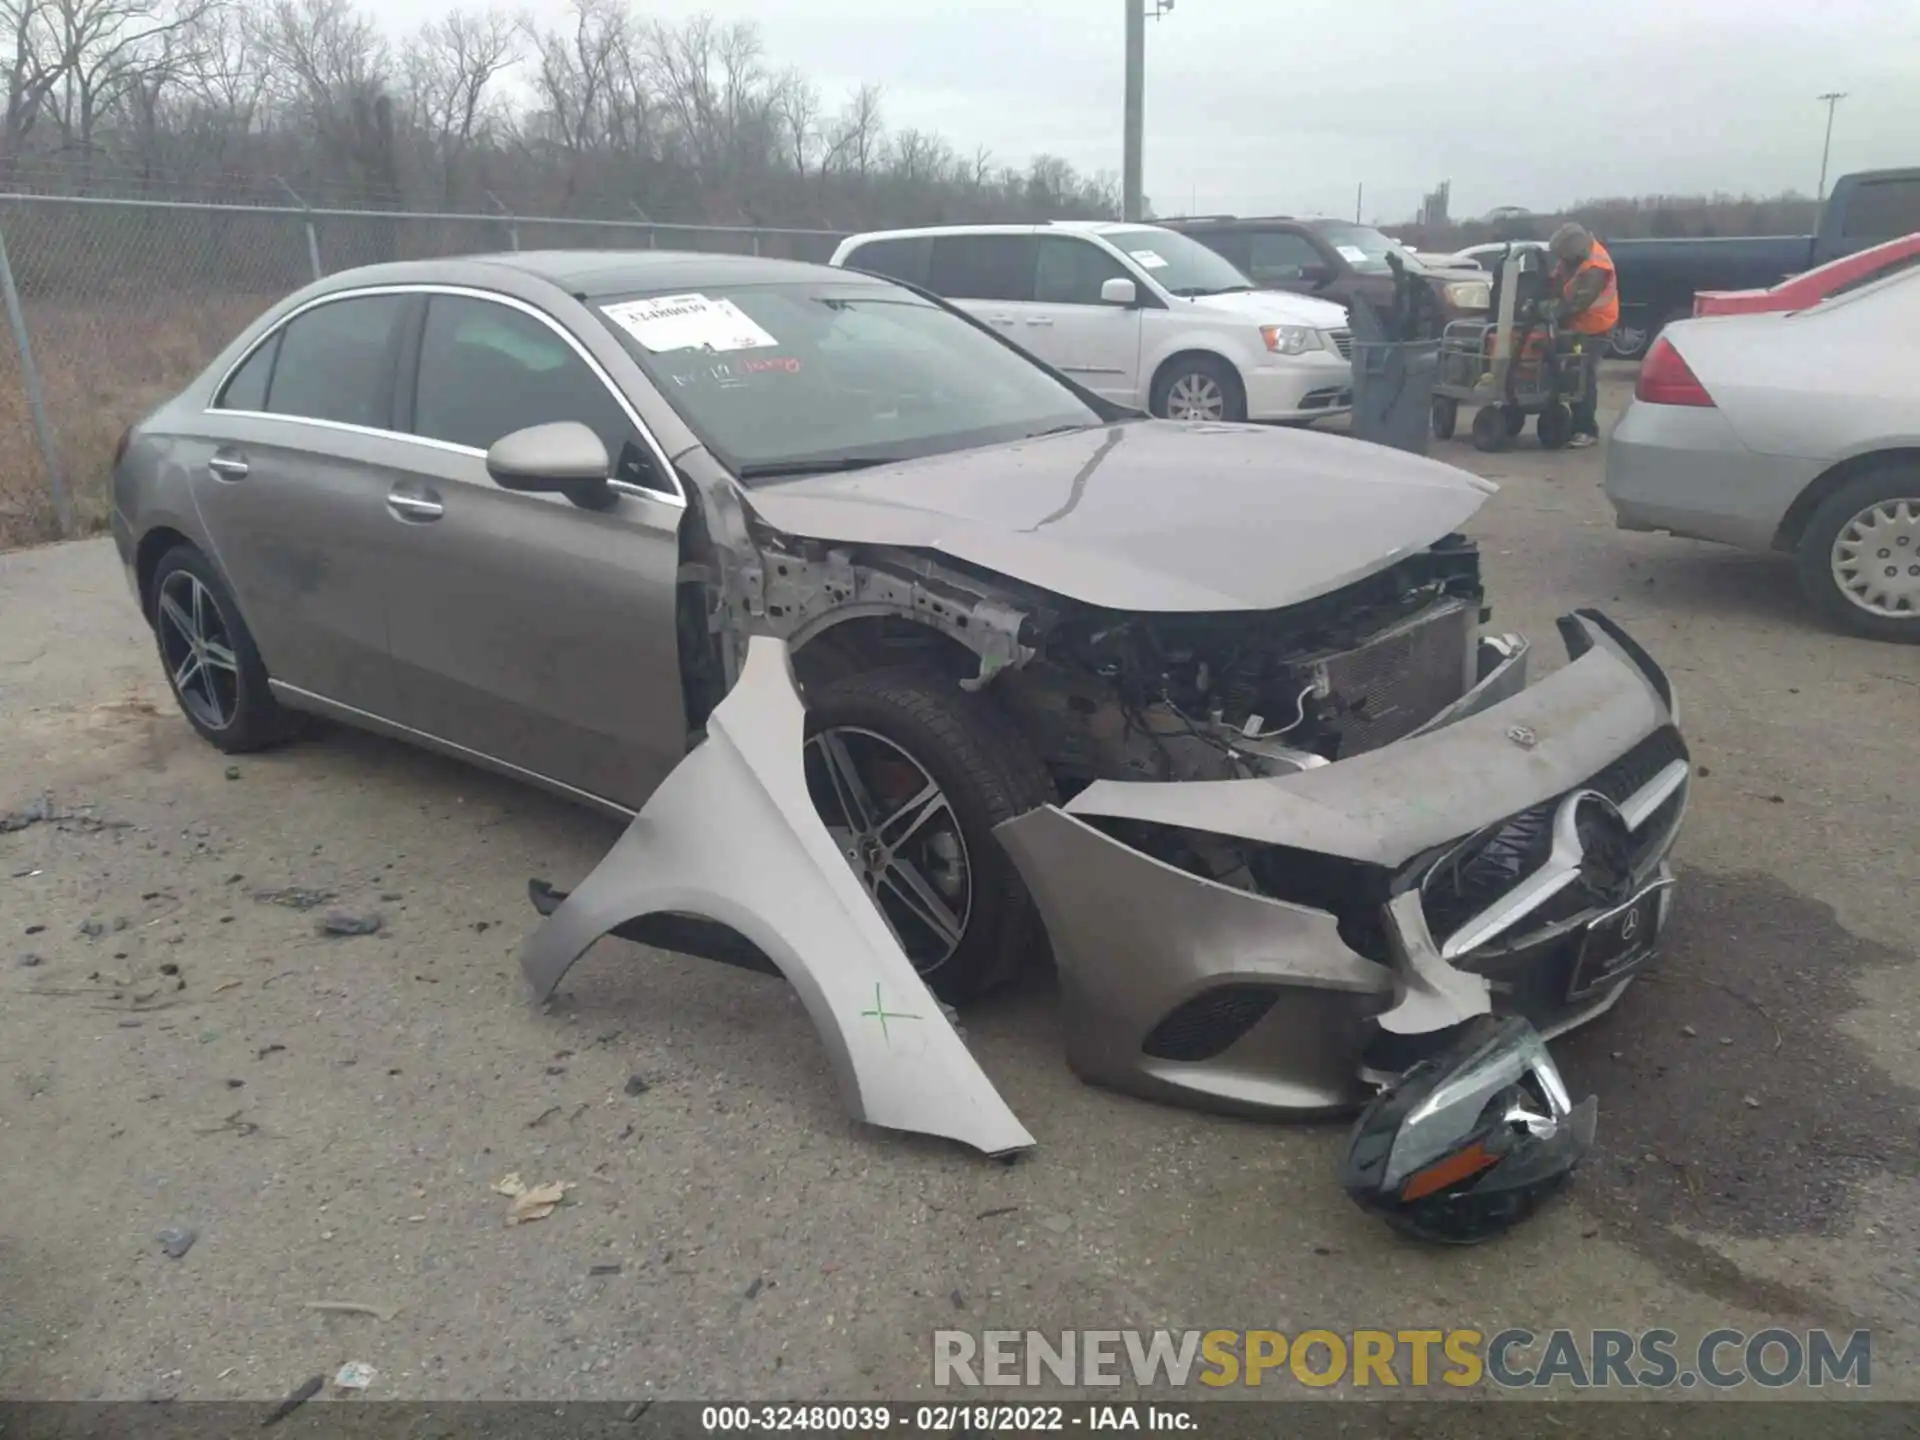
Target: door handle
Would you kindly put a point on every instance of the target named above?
(414, 507)
(227, 467)
(1041, 321)
(1000, 319)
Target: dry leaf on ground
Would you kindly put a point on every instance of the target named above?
(530, 1202)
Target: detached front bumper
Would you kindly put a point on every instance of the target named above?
(1484, 865)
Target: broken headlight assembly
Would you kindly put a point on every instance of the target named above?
(1471, 1141)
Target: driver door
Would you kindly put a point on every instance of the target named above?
(524, 629)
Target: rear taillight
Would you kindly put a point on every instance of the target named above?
(1667, 379)
(120, 450)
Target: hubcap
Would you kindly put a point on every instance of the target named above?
(1195, 397)
(1876, 559)
(1629, 338)
(898, 832)
(198, 650)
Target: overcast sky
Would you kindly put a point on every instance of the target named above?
(1289, 104)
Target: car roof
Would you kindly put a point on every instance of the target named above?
(1043, 227)
(596, 273)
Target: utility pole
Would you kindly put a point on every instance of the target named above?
(1131, 200)
(1359, 194)
(1831, 99)
(1136, 108)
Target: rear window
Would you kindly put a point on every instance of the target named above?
(1882, 209)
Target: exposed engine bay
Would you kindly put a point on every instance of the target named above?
(1115, 696)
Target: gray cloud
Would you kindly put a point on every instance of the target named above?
(1288, 104)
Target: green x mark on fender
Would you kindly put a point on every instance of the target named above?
(883, 1015)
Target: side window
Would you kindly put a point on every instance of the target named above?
(487, 370)
(333, 362)
(1227, 244)
(981, 267)
(1278, 255)
(1069, 271)
(904, 258)
(246, 389)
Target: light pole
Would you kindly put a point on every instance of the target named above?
(1832, 99)
(1131, 202)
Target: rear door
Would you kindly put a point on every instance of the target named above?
(988, 276)
(524, 628)
(1070, 327)
(292, 493)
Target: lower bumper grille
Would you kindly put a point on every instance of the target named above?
(1206, 1025)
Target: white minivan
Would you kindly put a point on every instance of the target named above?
(1140, 315)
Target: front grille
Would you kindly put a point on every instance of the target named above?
(1203, 1027)
(1402, 678)
(1343, 342)
(1486, 867)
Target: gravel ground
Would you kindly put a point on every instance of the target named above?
(181, 1049)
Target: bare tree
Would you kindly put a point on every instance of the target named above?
(857, 134)
(796, 105)
(109, 49)
(451, 70)
(34, 69)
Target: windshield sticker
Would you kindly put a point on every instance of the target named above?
(1352, 253)
(783, 364)
(688, 322)
(1149, 259)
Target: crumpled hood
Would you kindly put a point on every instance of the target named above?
(1275, 307)
(1150, 515)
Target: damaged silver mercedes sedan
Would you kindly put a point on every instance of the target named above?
(914, 663)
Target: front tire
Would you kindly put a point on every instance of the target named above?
(1490, 431)
(1198, 387)
(1859, 559)
(1446, 417)
(212, 665)
(910, 775)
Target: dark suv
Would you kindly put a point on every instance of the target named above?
(1331, 259)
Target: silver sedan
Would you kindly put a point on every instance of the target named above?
(1796, 432)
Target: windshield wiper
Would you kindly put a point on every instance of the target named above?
(822, 465)
(1195, 292)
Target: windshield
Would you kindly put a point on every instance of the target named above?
(1184, 266)
(1366, 249)
(792, 379)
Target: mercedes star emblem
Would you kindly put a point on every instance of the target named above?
(1523, 736)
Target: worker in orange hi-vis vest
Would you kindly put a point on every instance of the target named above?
(1588, 304)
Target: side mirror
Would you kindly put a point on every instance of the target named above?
(1316, 274)
(1118, 291)
(564, 458)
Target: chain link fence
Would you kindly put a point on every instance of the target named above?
(112, 305)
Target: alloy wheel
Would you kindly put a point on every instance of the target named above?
(1876, 559)
(898, 831)
(198, 650)
(1196, 396)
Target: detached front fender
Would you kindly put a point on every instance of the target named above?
(732, 836)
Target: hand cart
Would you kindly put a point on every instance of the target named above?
(1518, 364)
